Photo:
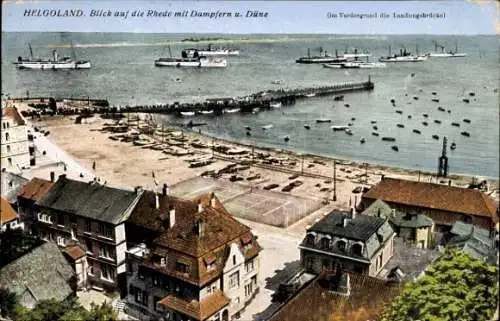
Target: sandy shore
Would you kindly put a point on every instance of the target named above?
(123, 164)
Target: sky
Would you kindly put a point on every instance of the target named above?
(460, 17)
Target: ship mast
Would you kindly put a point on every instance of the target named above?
(31, 52)
(73, 51)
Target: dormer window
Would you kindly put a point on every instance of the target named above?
(341, 245)
(181, 267)
(357, 249)
(310, 239)
(325, 243)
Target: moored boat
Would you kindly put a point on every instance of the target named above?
(466, 120)
(323, 121)
(416, 131)
(455, 124)
(435, 136)
(306, 126)
(395, 148)
(275, 105)
(231, 110)
(339, 128)
(389, 139)
(375, 134)
(466, 134)
(453, 146)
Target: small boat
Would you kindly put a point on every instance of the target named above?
(266, 127)
(466, 134)
(409, 116)
(248, 128)
(435, 136)
(231, 111)
(306, 126)
(415, 97)
(435, 100)
(348, 131)
(286, 138)
(362, 140)
(191, 124)
(389, 139)
(399, 111)
(466, 100)
(416, 131)
(425, 123)
(275, 105)
(375, 134)
(441, 108)
(323, 121)
(339, 128)
(353, 118)
(466, 120)
(449, 111)
(425, 115)
(455, 124)
(434, 93)
(437, 121)
(310, 95)
(393, 101)
(395, 148)
(347, 105)
(472, 94)
(187, 113)
(349, 124)
(249, 134)
(338, 98)
(373, 122)
(375, 127)
(277, 82)
(207, 112)
(401, 126)
(453, 146)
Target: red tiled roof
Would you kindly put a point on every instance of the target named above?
(435, 196)
(183, 242)
(35, 189)
(12, 112)
(7, 213)
(195, 309)
(368, 296)
(75, 252)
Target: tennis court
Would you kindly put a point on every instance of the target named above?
(257, 205)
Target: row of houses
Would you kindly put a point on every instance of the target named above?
(171, 258)
(179, 259)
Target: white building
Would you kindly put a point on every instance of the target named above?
(17, 151)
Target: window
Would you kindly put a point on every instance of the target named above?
(325, 243)
(156, 280)
(61, 241)
(234, 259)
(357, 249)
(87, 226)
(211, 267)
(88, 245)
(325, 264)
(309, 263)
(105, 230)
(107, 273)
(341, 245)
(249, 266)
(105, 252)
(6, 136)
(60, 219)
(141, 297)
(9, 160)
(90, 269)
(234, 280)
(130, 267)
(248, 289)
(181, 267)
(310, 239)
(8, 148)
(358, 269)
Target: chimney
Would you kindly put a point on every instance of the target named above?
(212, 199)
(172, 217)
(353, 212)
(378, 212)
(165, 190)
(393, 212)
(355, 201)
(200, 207)
(345, 220)
(201, 228)
(52, 176)
(157, 201)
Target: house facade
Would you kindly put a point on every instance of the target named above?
(31, 192)
(347, 241)
(92, 215)
(443, 204)
(414, 228)
(202, 265)
(17, 150)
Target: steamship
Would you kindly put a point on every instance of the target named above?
(53, 63)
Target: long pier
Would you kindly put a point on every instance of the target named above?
(217, 106)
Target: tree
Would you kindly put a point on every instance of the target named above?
(103, 312)
(8, 303)
(456, 287)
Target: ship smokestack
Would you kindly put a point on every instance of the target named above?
(54, 54)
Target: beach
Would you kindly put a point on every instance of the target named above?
(144, 162)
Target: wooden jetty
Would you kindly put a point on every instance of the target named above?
(262, 100)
